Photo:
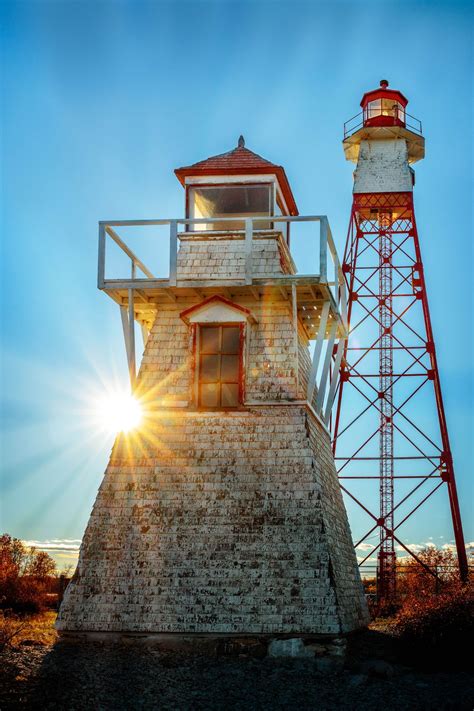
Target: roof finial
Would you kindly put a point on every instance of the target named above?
(383, 83)
(241, 142)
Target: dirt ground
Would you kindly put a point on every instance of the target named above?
(39, 672)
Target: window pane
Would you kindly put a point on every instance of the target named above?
(232, 200)
(210, 339)
(374, 108)
(230, 395)
(229, 201)
(209, 395)
(210, 368)
(219, 365)
(230, 369)
(230, 339)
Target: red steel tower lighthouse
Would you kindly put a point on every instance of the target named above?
(394, 432)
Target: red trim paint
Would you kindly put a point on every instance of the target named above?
(192, 384)
(242, 365)
(184, 315)
(196, 358)
(383, 94)
(382, 120)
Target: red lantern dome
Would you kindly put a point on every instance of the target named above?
(384, 106)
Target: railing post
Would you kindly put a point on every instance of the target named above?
(131, 338)
(294, 315)
(173, 251)
(248, 249)
(101, 260)
(323, 248)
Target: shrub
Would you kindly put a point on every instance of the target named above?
(414, 580)
(25, 575)
(436, 630)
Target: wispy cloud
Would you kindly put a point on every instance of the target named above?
(365, 546)
(402, 553)
(369, 561)
(452, 547)
(55, 544)
(417, 547)
(64, 551)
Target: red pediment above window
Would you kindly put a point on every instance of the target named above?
(217, 309)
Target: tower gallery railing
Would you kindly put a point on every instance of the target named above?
(326, 249)
(402, 119)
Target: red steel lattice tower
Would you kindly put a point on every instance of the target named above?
(389, 425)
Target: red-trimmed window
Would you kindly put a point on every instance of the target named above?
(232, 200)
(219, 366)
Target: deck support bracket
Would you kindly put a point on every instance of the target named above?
(334, 380)
(326, 365)
(128, 325)
(317, 352)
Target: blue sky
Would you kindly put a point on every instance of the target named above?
(102, 100)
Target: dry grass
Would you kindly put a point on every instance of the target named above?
(38, 629)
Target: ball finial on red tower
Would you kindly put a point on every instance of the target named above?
(383, 83)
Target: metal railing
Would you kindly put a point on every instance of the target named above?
(326, 251)
(404, 120)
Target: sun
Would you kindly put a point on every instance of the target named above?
(118, 412)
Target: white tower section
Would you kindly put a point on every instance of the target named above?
(383, 167)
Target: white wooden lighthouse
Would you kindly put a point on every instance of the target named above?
(222, 512)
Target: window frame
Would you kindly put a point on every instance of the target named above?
(197, 365)
(230, 184)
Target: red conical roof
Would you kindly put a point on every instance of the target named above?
(383, 92)
(240, 161)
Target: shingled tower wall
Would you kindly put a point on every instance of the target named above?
(227, 521)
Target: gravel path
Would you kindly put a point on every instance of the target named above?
(79, 676)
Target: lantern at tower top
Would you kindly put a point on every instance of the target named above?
(383, 116)
(383, 106)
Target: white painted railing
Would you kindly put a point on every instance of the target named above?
(327, 254)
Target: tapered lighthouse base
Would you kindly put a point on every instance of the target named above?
(218, 523)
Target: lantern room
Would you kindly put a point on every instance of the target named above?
(236, 184)
(384, 107)
(383, 117)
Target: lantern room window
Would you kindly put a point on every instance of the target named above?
(228, 201)
(384, 107)
(220, 366)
